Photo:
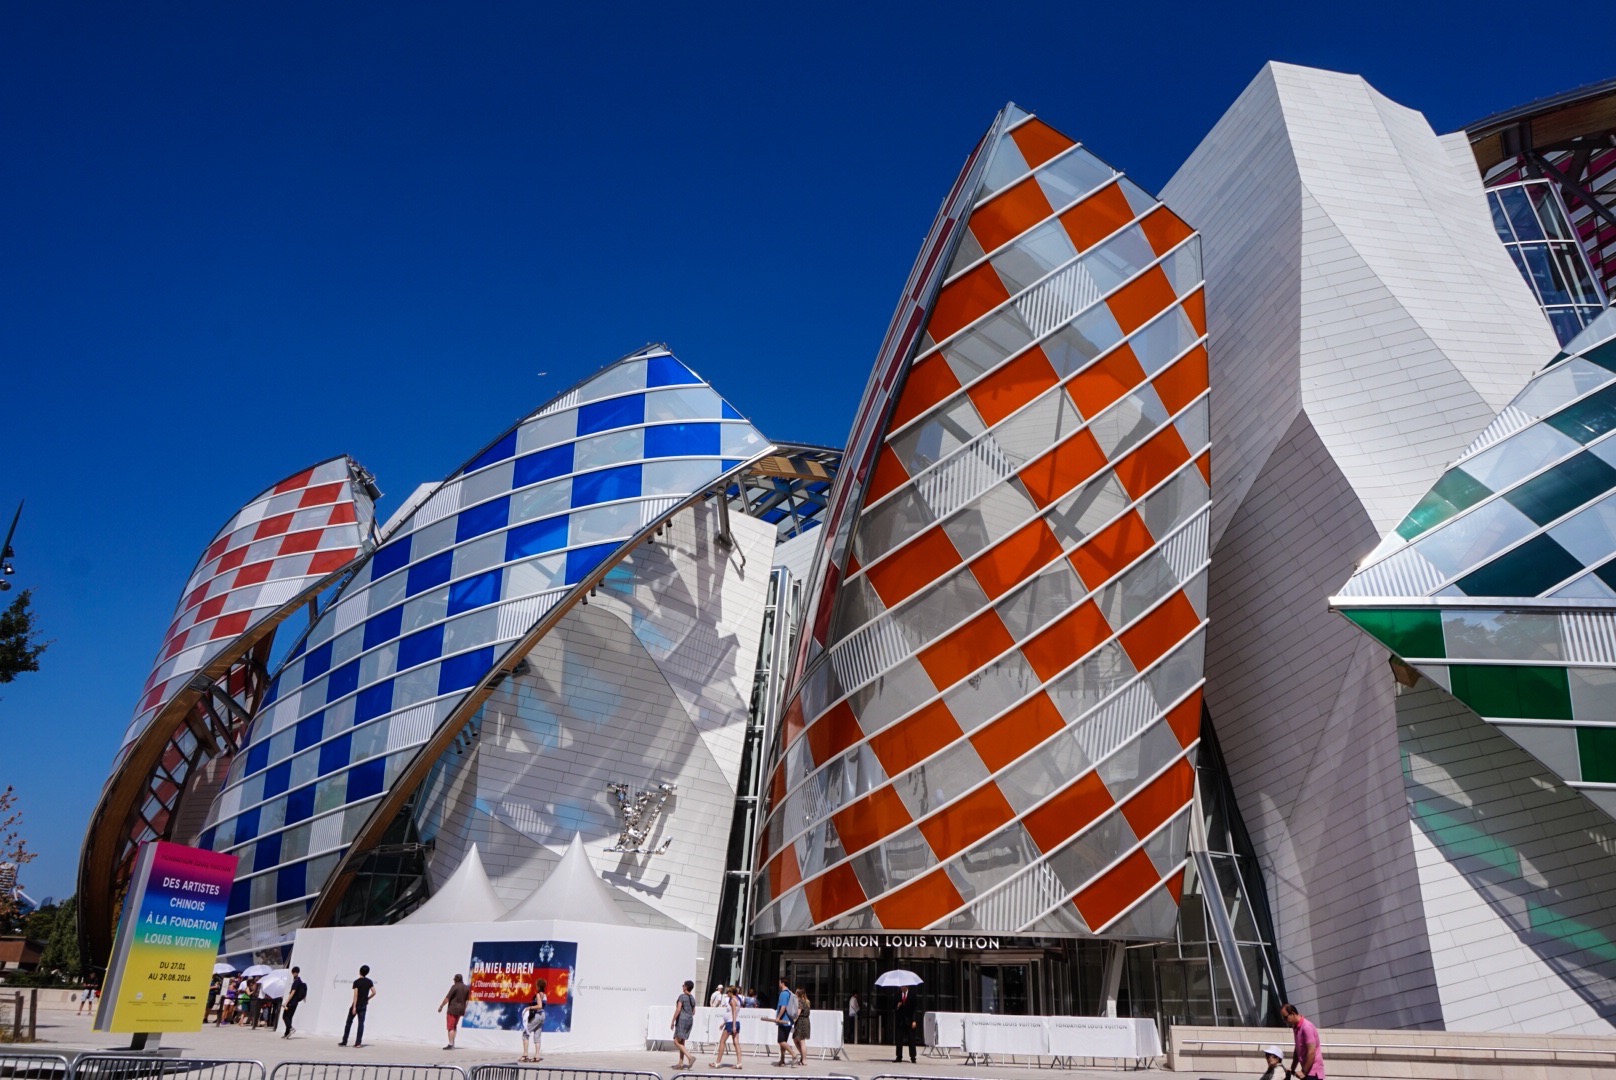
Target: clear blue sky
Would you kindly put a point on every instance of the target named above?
(241, 237)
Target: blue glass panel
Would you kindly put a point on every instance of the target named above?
(291, 882)
(774, 517)
(309, 730)
(300, 804)
(604, 485)
(544, 465)
(268, 852)
(317, 663)
(612, 413)
(272, 693)
(420, 647)
(728, 463)
(429, 573)
(240, 898)
(580, 561)
(1527, 570)
(257, 758)
(460, 672)
(365, 779)
(666, 371)
(389, 558)
(729, 412)
(484, 518)
(384, 627)
(343, 681)
(297, 650)
(373, 701)
(682, 440)
(498, 452)
(474, 592)
(277, 779)
(535, 538)
(247, 825)
(336, 754)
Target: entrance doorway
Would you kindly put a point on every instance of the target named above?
(1004, 987)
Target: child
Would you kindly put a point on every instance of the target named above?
(533, 1022)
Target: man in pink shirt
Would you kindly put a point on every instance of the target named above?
(1309, 1059)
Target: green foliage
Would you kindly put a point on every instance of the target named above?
(38, 924)
(62, 948)
(19, 652)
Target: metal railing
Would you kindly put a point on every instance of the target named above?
(363, 1070)
(560, 1072)
(149, 1067)
(29, 1065)
(1408, 1049)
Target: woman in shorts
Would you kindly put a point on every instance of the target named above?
(533, 1022)
(731, 1031)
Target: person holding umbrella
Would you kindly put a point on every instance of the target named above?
(906, 1013)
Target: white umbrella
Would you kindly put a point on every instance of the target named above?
(257, 970)
(898, 977)
(276, 983)
(222, 968)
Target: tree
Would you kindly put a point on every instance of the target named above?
(19, 652)
(14, 855)
(62, 950)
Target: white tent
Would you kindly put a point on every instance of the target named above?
(467, 897)
(572, 891)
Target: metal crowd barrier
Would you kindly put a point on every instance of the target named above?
(148, 1067)
(363, 1070)
(31, 1065)
(776, 1076)
(546, 1072)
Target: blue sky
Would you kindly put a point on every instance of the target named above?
(242, 237)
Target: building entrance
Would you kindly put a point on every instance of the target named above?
(1009, 989)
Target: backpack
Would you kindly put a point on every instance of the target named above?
(793, 1007)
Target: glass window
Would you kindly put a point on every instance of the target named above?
(1588, 419)
(1591, 534)
(600, 523)
(1119, 258)
(1071, 348)
(1163, 341)
(1175, 502)
(480, 554)
(1137, 590)
(1072, 175)
(1500, 219)
(740, 440)
(1138, 759)
(1533, 568)
(897, 520)
(1001, 335)
(1462, 543)
(892, 695)
(684, 403)
(1518, 207)
(970, 250)
(1521, 454)
(1547, 274)
(1030, 432)
(678, 477)
(1007, 166)
(993, 516)
(1080, 861)
(1501, 635)
(939, 608)
(1178, 671)
(1080, 689)
(1034, 255)
(617, 379)
(1052, 591)
(1555, 493)
(939, 435)
(1091, 506)
(991, 691)
(1127, 422)
(613, 448)
(942, 778)
(1563, 382)
(1549, 211)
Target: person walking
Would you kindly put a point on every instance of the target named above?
(906, 1026)
(294, 997)
(89, 995)
(731, 1031)
(363, 991)
(716, 1001)
(852, 1017)
(1275, 1057)
(684, 1017)
(533, 1022)
(455, 1000)
(785, 1017)
(800, 1029)
(1308, 1060)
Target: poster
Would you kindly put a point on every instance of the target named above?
(168, 939)
(504, 976)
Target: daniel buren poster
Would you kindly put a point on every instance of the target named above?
(504, 976)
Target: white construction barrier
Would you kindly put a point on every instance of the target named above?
(1062, 1038)
(759, 1033)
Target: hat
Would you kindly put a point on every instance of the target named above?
(1274, 1051)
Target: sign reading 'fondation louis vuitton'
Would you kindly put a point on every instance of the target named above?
(904, 941)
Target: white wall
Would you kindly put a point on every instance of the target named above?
(621, 972)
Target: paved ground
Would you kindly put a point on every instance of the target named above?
(68, 1031)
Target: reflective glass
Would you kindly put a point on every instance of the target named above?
(1547, 274)
(1001, 335)
(939, 435)
(1030, 432)
(618, 379)
(739, 441)
(1080, 861)
(989, 692)
(970, 250)
(1052, 591)
(684, 403)
(941, 779)
(1501, 635)
(892, 695)
(1071, 176)
(1519, 209)
(1549, 212)
(600, 523)
(1137, 590)
(1033, 255)
(1183, 266)
(1081, 512)
(1465, 541)
(1560, 384)
(993, 860)
(1500, 219)
(1588, 419)
(1119, 258)
(1006, 167)
(896, 521)
(1528, 570)
(1591, 534)
(1175, 502)
(891, 863)
(542, 501)
(990, 518)
(1071, 348)
(1558, 491)
(1194, 425)
(939, 608)
(612, 448)
(1176, 673)
(1080, 689)
(1593, 693)
(1139, 759)
(1127, 422)
(1523, 453)
(679, 476)
(480, 554)
(856, 605)
(1163, 341)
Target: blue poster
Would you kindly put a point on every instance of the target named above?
(504, 983)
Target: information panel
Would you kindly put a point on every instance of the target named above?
(504, 979)
(168, 938)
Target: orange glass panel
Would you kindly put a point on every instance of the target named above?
(785, 873)
(920, 903)
(792, 722)
(1159, 631)
(832, 733)
(833, 892)
(1195, 308)
(966, 820)
(1185, 718)
(1097, 217)
(1175, 886)
(1012, 384)
(916, 737)
(1160, 799)
(1112, 548)
(1185, 381)
(1204, 463)
(1068, 813)
(914, 566)
(864, 821)
(1010, 214)
(1142, 299)
(1060, 470)
(1017, 731)
(964, 300)
(966, 649)
(1152, 461)
(1038, 142)
(1116, 890)
(1105, 380)
(1016, 558)
(927, 383)
(1066, 641)
(1164, 229)
(889, 475)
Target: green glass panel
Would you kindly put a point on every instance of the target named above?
(1603, 355)
(1559, 356)
(1457, 490)
(1524, 693)
(1607, 573)
(1596, 748)
(1406, 633)
(1563, 488)
(1589, 418)
(1536, 565)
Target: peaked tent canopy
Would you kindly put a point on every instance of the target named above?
(468, 896)
(574, 892)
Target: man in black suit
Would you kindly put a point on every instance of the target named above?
(906, 1024)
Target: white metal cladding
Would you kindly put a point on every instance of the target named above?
(1590, 636)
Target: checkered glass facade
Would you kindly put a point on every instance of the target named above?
(997, 697)
(448, 591)
(1500, 584)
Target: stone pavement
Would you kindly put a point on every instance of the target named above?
(59, 1026)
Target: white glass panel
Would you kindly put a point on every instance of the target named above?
(1523, 453)
(680, 476)
(1460, 544)
(1560, 384)
(683, 403)
(545, 500)
(1034, 255)
(613, 448)
(1072, 175)
(1072, 348)
(1501, 635)
(617, 380)
(1591, 534)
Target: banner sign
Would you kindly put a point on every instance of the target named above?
(168, 939)
(504, 981)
